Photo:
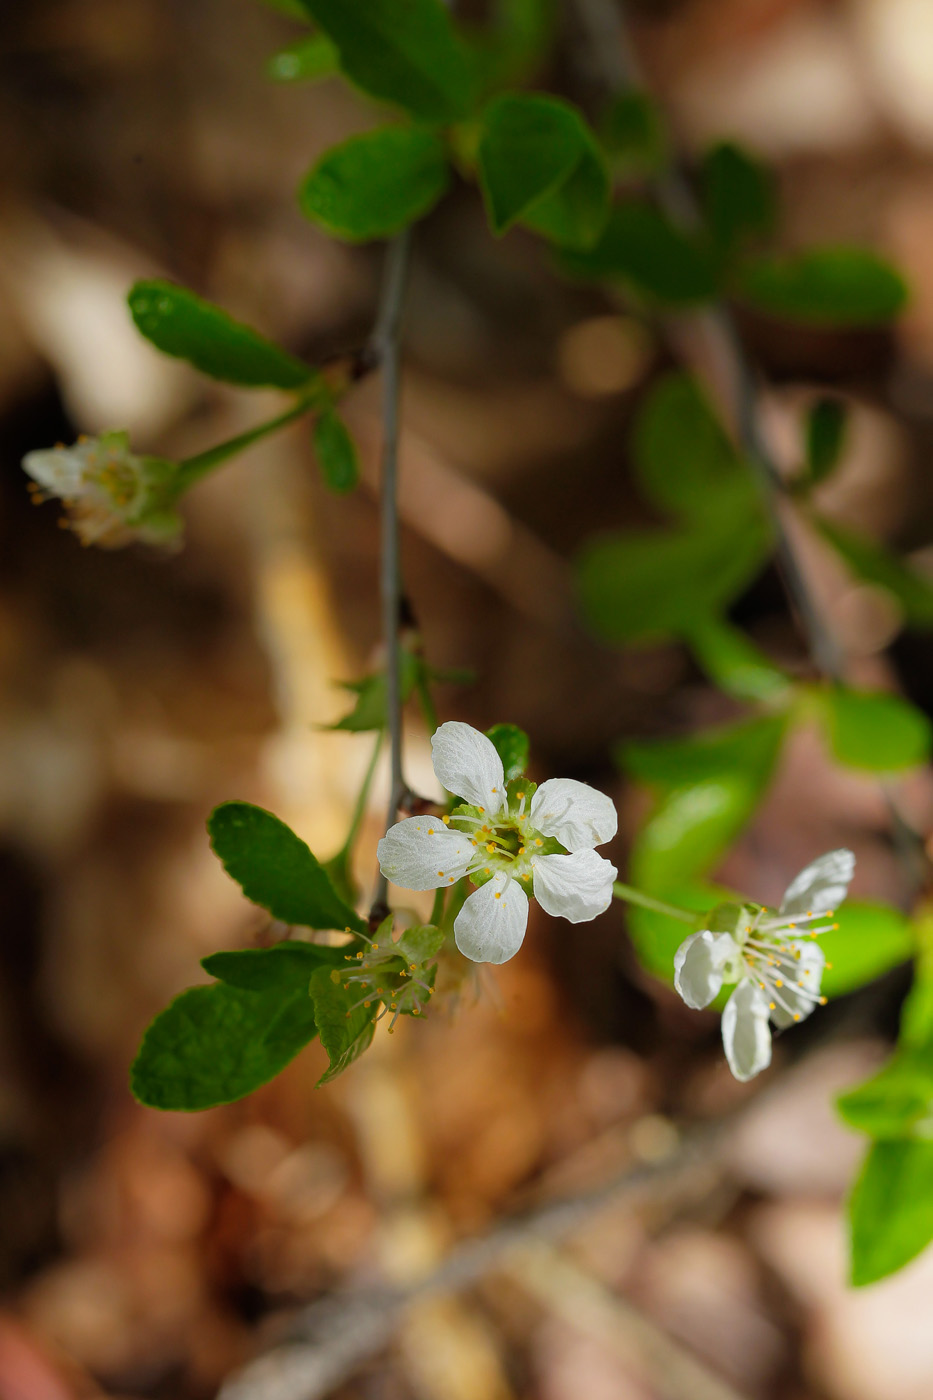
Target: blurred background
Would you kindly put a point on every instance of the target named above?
(147, 1255)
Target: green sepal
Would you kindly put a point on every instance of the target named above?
(336, 452)
(345, 1033)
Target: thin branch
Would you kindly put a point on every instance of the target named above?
(332, 1338)
(386, 349)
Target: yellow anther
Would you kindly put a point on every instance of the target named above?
(520, 796)
(779, 983)
(498, 894)
(482, 810)
(375, 947)
(791, 925)
(823, 1001)
(446, 821)
(487, 871)
(538, 841)
(412, 967)
(829, 967)
(441, 873)
(796, 1015)
(772, 1005)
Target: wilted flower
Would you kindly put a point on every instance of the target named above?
(772, 956)
(112, 497)
(506, 839)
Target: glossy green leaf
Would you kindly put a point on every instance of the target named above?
(376, 184)
(891, 1209)
(336, 452)
(875, 564)
(641, 248)
(825, 286)
(307, 60)
(575, 214)
(827, 421)
(739, 197)
(685, 462)
(275, 868)
(215, 1044)
(530, 147)
(513, 747)
(897, 1102)
(734, 663)
(285, 967)
(184, 325)
(870, 940)
(874, 730)
(405, 52)
(637, 587)
(635, 136)
(346, 1029)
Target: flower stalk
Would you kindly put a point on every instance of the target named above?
(657, 906)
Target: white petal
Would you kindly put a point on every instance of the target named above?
(580, 816)
(575, 887)
(491, 925)
(466, 762)
(698, 965)
(820, 886)
(420, 853)
(59, 469)
(746, 1035)
(808, 969)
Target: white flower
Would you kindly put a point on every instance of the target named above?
(112, 497)
(510, 840)
(772, 957)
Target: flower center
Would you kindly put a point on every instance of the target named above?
(771, 949)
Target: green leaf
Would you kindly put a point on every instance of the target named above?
(897, 1102)
(538, 161)
(891, 1209)
(825, 286)
(635, 135)
(917, 1011)
(510, 50)
(513, 747)
(276, 869)
(734, 663)
(870, 561)
(346, 1030)
(369, 710)
(284, 967)
(647, 585)
(685, 462)
(710, 786)
(749, 749)
(870, 940)
(305, 61)
(641, 248)
(404, 52)
(656, 937)
(827, 421)
(215, 1044)
(376, 184)
(874, 730)
(184, 325)
(336, 452)
(739, 197)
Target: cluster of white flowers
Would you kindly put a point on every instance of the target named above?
(112, 497)
(772, 956)
(505, 841)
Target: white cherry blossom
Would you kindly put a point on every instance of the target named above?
(542, 839)
(112, 497)
(771, 956)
